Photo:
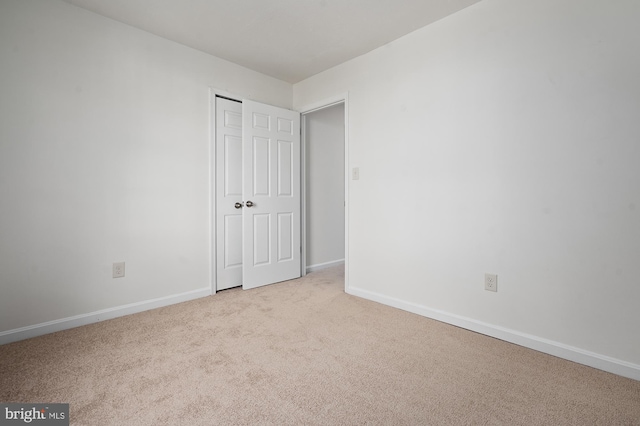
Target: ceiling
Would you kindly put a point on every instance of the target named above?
(286, 39)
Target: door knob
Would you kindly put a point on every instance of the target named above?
(238, 205)
(249, 203)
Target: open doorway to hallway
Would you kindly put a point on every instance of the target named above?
(324, 144)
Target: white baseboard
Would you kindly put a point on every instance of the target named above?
(324, 265)
(105, 314)
(592, 359)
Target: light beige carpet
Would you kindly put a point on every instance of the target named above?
(304, 352)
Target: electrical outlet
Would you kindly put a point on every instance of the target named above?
(491, 282)
(118, 270)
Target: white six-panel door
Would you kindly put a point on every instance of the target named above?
(257, 161)
(228, 193)
(271, 192)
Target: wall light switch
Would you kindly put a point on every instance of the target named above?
(355, 173)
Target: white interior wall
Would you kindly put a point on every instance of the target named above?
(104, 157)
(502, 139)
(324, 140)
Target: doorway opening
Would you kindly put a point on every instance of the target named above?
(328, 121)
(324, 196)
